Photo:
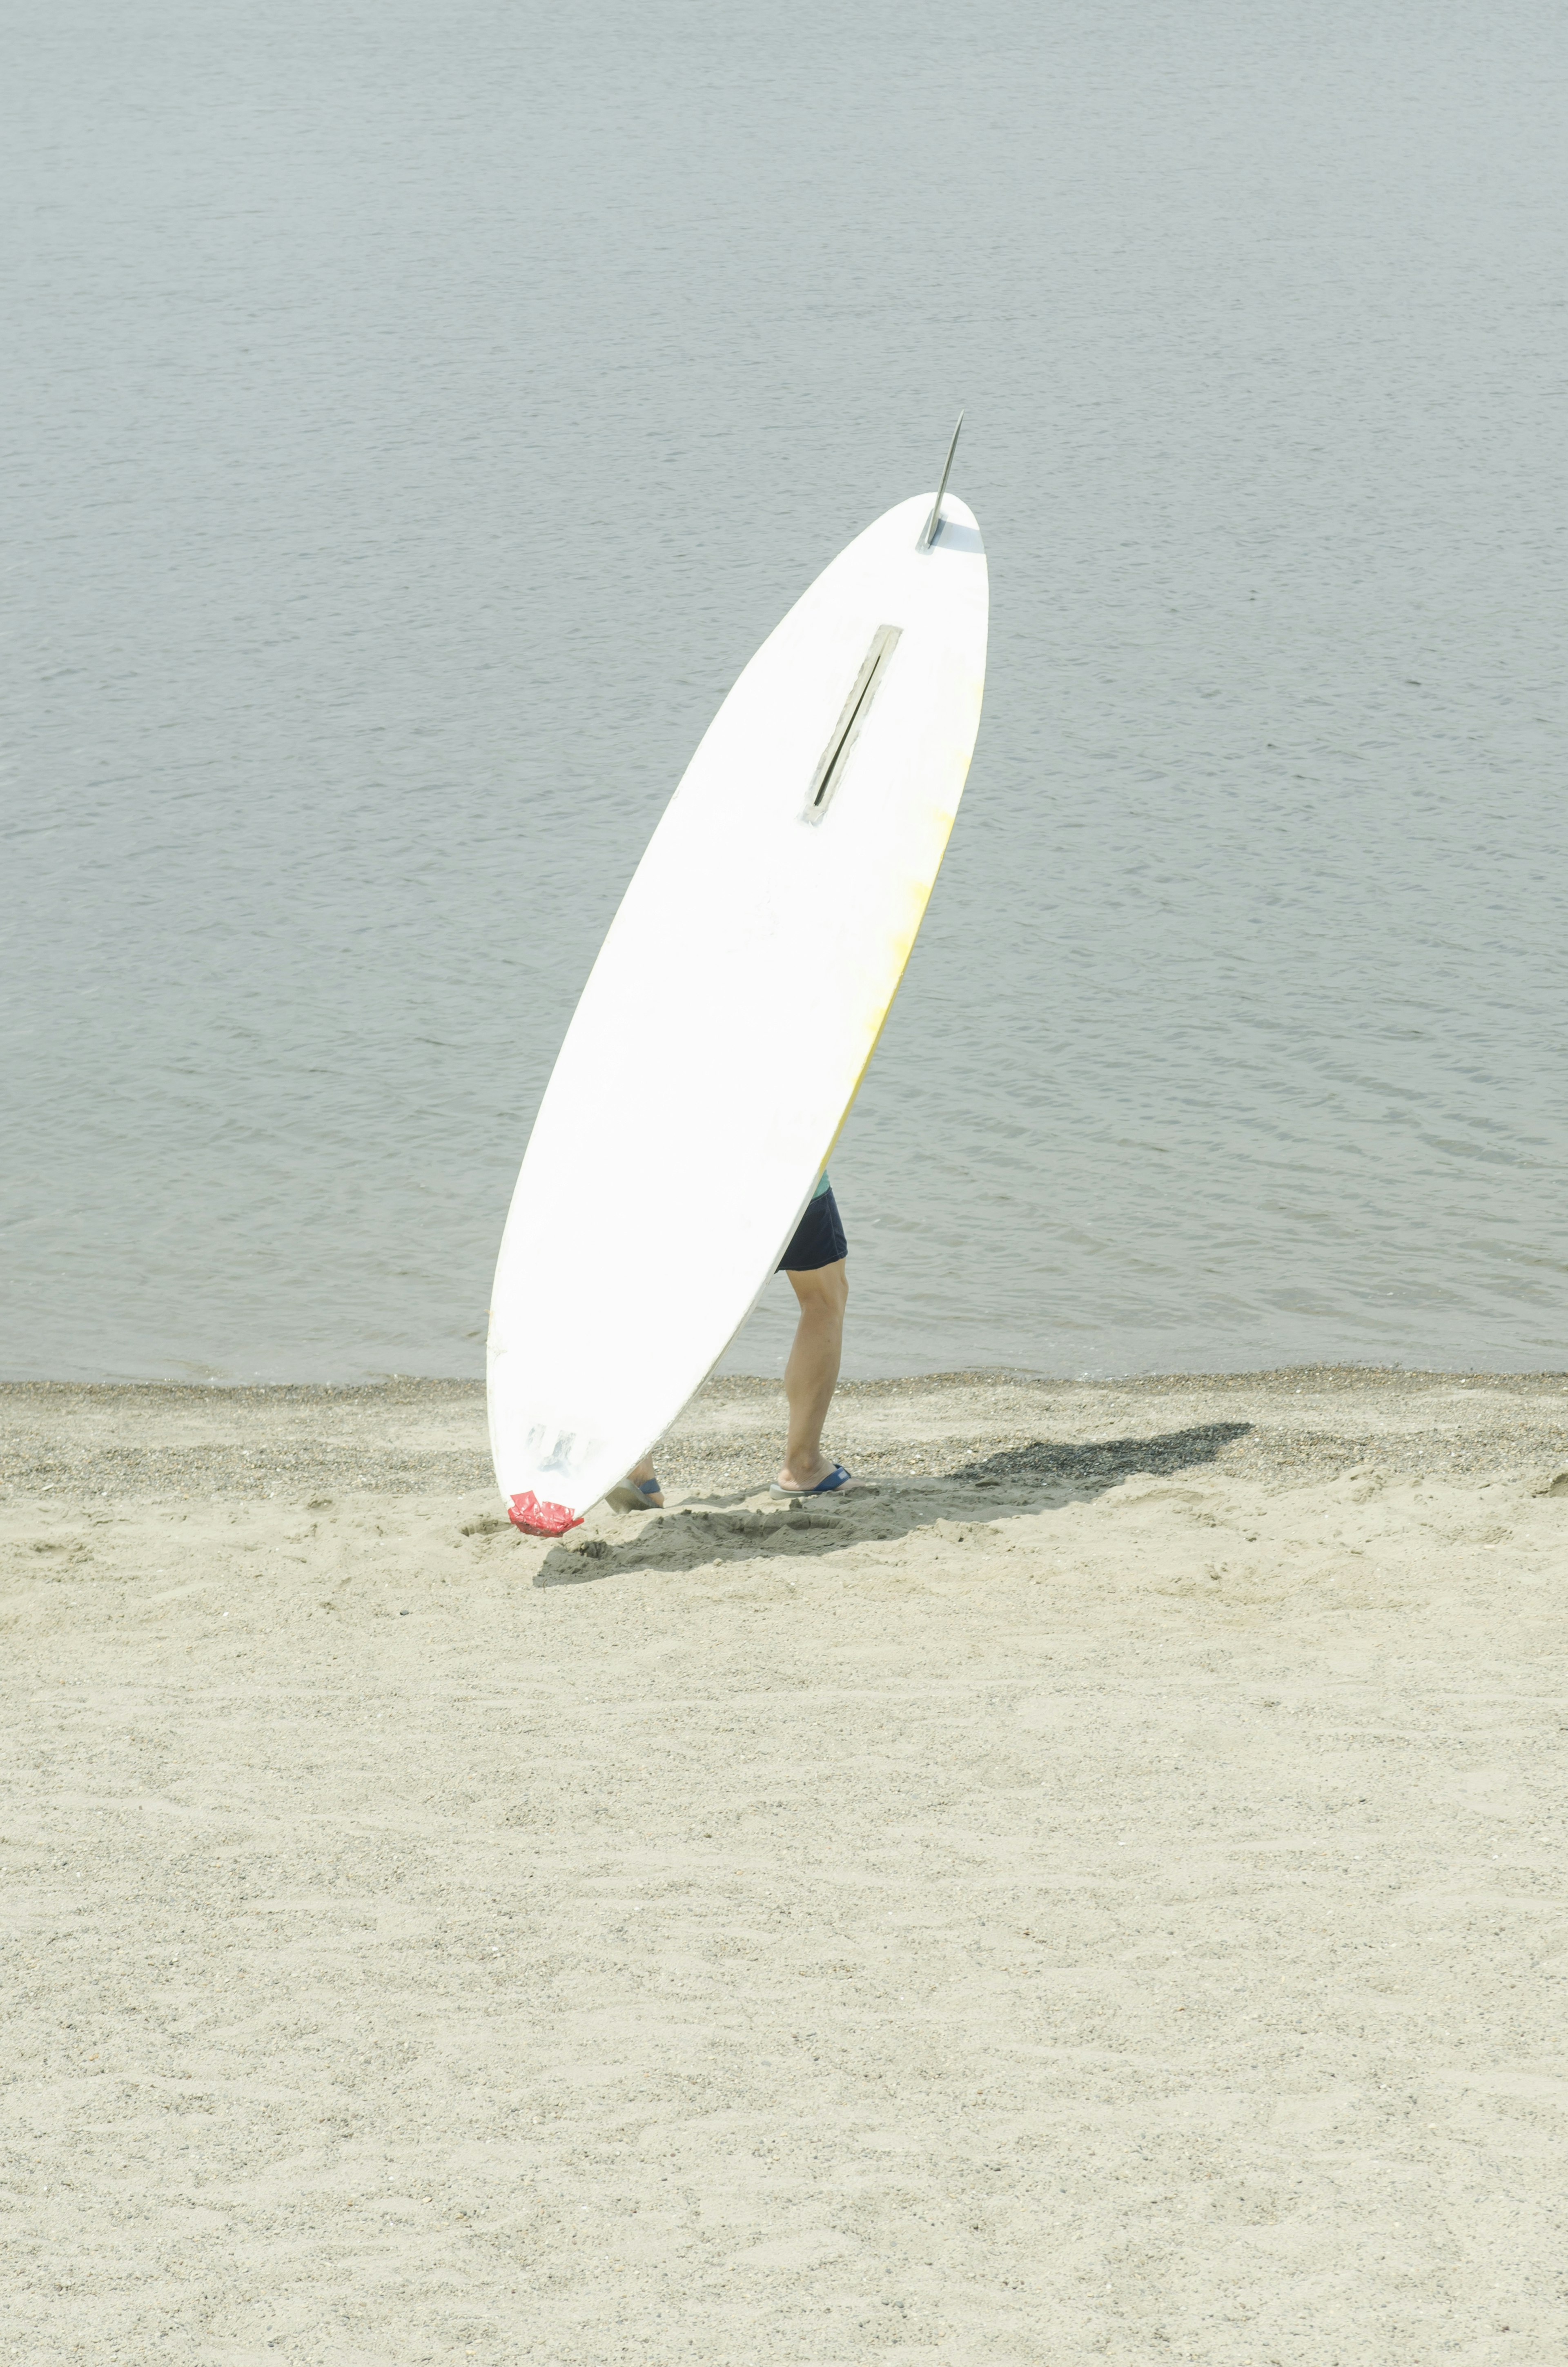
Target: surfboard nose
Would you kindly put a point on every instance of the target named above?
(538, 1519)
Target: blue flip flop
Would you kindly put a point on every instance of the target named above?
(636, 1495)
(835, 1479)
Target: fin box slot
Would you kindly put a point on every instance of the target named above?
(846, 731)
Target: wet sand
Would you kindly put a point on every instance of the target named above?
(1100, 1898)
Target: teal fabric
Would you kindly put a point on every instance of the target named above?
(822, 1187)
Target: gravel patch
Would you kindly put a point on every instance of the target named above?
(419, 1437)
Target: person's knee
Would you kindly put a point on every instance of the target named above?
(824, 1289)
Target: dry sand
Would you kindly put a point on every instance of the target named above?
(1100, 1899)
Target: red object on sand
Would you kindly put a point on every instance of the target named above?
(539, 1520)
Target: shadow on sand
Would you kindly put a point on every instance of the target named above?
(1037, 1478)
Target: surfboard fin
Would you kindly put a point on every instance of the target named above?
(933, 526)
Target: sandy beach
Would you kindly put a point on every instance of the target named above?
(1100, 1898)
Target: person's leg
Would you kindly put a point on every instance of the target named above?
(812, 1373)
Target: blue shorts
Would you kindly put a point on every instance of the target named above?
(818, 1239)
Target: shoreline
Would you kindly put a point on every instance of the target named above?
(289, 1440)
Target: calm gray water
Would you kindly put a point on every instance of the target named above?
(417, 415)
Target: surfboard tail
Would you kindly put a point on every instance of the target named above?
(933, 526)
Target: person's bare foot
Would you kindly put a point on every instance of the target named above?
(639, 1474)
(631, 1494)
(801, 1479)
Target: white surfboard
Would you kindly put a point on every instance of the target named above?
(754, 957)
